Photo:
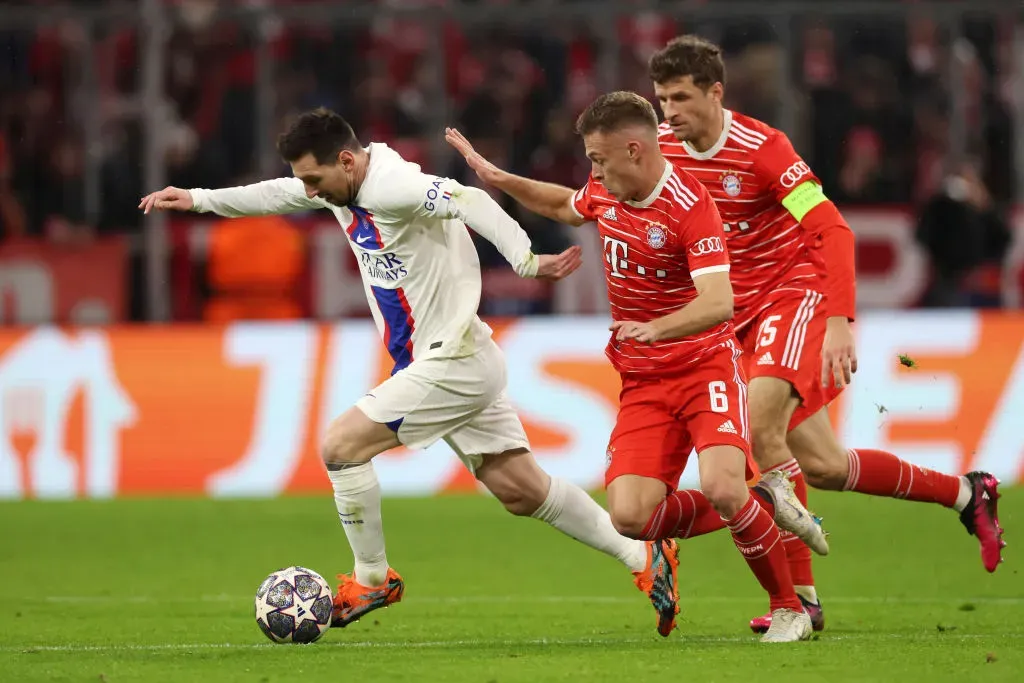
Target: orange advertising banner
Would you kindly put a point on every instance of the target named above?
(239, 410)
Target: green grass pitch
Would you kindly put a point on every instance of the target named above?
(161, 590)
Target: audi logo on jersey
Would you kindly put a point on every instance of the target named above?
(794, 173)
(708, 245)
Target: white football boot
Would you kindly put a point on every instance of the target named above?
(788, 626)
(791, 515)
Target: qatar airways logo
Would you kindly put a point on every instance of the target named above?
(383, 267)
(793, 174)
(708, 245)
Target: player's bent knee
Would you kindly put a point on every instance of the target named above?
(727, 500)
(515, 479)
(629, 516)
(519, 503)
(822, 458)
(823, 472)
(353, 438)
(339, 449)
(727, 494)
(630, 522)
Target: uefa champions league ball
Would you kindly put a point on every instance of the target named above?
(293, 605)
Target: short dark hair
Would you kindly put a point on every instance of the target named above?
(691, 56)
(322, 133)
(615, 110)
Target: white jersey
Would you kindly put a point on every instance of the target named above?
(418, 263)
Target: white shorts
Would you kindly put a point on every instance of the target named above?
(460, 400)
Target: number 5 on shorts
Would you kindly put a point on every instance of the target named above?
(719, 399)
(766, 333)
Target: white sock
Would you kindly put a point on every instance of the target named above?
(569, 509)
(964, 497)
(357, 497)
(807, 593)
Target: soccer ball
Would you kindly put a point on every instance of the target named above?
(293, 605)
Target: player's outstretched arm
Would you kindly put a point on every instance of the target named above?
(712, 306)
(280, 195)
(476, 209)
(546, 199)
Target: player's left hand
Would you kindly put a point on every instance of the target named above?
(558, 266)
(648, 332)
(838, 354)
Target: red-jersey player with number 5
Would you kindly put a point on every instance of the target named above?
(683, 383)
(793, 274)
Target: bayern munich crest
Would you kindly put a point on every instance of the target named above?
(656, 235)
(731, 184)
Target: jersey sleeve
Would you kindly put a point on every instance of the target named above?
(582, 201)
(794, 185)
(782, 170)
(276, 196)
(703, 236)
(412, 194)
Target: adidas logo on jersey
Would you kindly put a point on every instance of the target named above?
(766, 359)
(609, 215)
(728, 427)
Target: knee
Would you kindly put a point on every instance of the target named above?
(727, 495)
(521, 502)
(342, 446)
(824, 470)
(517, 482)
(630, 521)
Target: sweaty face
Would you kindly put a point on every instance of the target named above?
(611, 163)
(687, 108)
(330, 182)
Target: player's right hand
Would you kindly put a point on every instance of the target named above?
(558, 266)
(167, 199)
(485, 170)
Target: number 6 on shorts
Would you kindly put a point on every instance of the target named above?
(719, 399)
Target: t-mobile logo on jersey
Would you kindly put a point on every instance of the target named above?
(617, 252)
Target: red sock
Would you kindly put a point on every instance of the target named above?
(683, 514)
(878, 473)
(797, 552)
(755, 534)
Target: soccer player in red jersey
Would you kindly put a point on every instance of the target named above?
(794, 280)
(683, 384)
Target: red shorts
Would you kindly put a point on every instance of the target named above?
(785, 341)
(661, 419)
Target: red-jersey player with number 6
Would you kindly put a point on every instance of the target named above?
(793, 274)
(683, 384)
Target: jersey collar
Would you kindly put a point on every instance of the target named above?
(649, 199)
(375, 150)
(719, 144)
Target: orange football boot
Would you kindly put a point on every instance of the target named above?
(660, 581)
(354, 601)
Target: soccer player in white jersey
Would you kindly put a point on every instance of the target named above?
(422, 279)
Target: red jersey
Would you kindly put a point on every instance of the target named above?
(749, 171)
(653, 250)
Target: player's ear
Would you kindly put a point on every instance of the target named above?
(717, 91)
(633, 148)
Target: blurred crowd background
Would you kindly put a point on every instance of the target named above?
(904, 109)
